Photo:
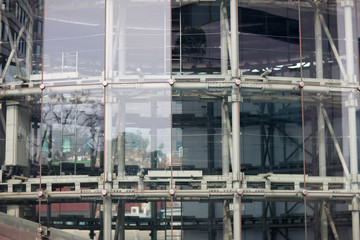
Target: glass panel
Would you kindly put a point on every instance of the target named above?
(320, 216)
(197, 129)
(329, 42)
(20, 138)
(73, 129)
(74, 41)
(20, 35)
(200, 37)
(273, 220)
(270, 125)
(81, 219)
(140, 219)
(138, 40)
(138, 133)
(269, 38)
(331, 131)
(19, 221)
(202, 220)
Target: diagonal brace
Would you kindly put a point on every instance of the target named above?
(336, 143)
(14, 46)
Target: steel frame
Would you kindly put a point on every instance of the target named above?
(230, 186)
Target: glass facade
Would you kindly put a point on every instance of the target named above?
(179, 119)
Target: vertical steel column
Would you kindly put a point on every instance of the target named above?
(107, 218)
(353, 164)
(236, 156)
(154, 166)
(223, 39)
(235, 115)
(121, 152)
(224, 130)
(322, 170)
(320, 121)
(108, 165)
(318, 45)
(225, 140)
(224, 119)
(349, 40)
(109, 38)
(108, 169)
(122, 37)
(234, 37)
(121, 137)
(29, 48)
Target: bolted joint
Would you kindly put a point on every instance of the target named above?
(240, 192)
(104, 192)
(305, 192)
(171, 82)
(237, 82)
(42, 86)
(172, 192)
(358, 88)
(105, 83)
(301, 84)
(40, 194)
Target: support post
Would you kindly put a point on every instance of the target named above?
(120, 222)
(225, 140)
(228, 127)
(224, 130)
(235, 117)
(352, 104)
(318, 45)
(109, 38)
(154, 166)
(323, 222)
(29, 49)
(223, 38)
(108, 169)
(234, 37)
(349, 41)
(121, 138)
(107, 217)
(236, 161)
(353, 164)
(321, 122)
